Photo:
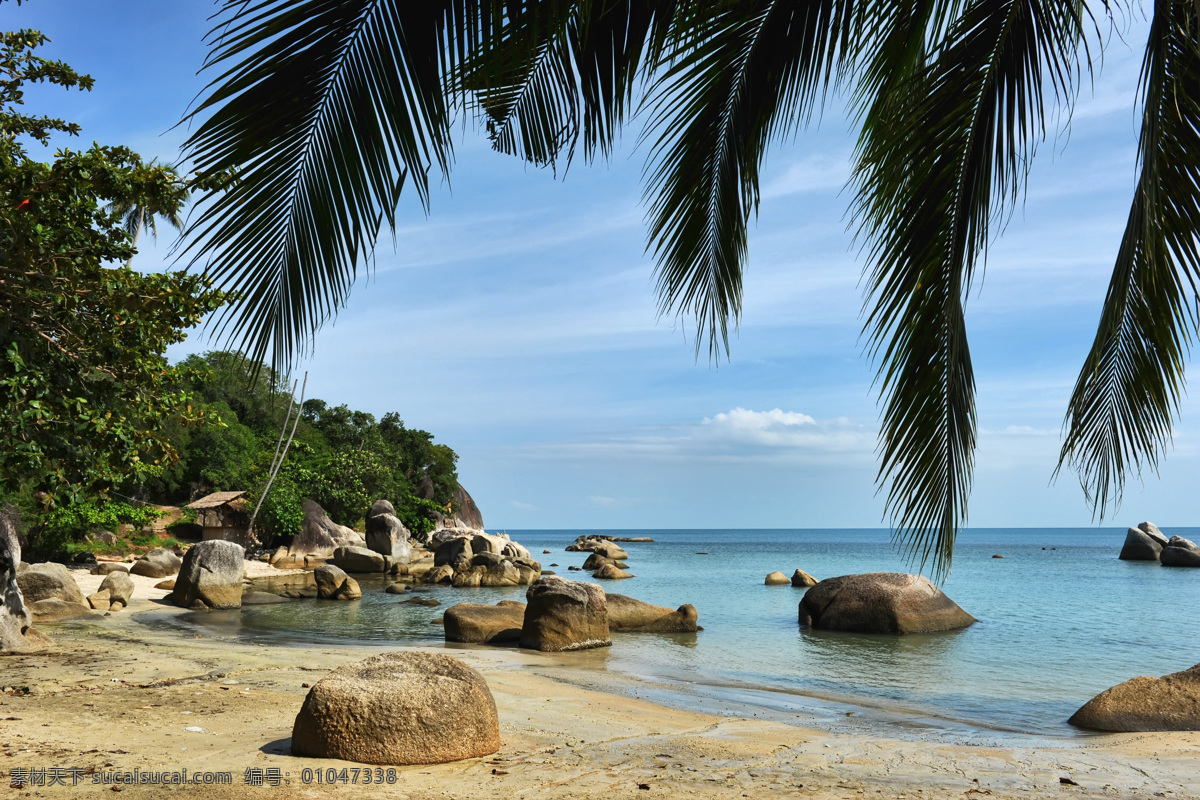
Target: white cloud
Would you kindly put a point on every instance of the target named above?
(604, 502)
(517, 504)
(820, 172)
(739, 435)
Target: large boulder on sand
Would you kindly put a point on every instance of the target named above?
(564, 615)
(1169, 703)
(881, 602)
(158, 563)
(105, 567)
(386, 534)
(483, 624)
(16, 632)
(359, 560)
(49, 582)
(634, 616)
(119, 587)
(399, 709)
(333, 584)
(211, 576)
(1180, 552)
(1140, 546)
(320, 535)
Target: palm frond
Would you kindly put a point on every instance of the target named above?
(942, 156)
(744, 73)
(1127, 396)
(558, 71)
(323, 109)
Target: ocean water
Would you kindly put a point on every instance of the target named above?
(1060, 619)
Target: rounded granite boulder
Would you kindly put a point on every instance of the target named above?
(1169, 703)
(776, 579)
(881, 602)
(399, 709)
(210, 576)
(565, 615)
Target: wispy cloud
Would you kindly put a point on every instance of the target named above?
(520, 506)
(819, 172)
(741, 435)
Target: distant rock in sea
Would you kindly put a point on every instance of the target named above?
(1141, 546)
(1180, 552)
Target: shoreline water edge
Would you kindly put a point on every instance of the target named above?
(153, 690)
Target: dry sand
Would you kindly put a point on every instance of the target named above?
(119, 695)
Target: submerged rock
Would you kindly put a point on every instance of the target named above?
(881, 602)
(565, 615)
(262, 599)
(483, 624)
(802, 580)
(334, 584)
(211, 576)
(596, 561)
(610, 572)
(1180, 552)
(633, 616)
(399, 709)
(1140, 546)
(1169, 703)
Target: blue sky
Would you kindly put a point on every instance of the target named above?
(518, 321)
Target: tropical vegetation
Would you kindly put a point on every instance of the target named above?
(86, 393)
(330, 107)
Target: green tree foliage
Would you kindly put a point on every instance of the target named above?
(317, 99)
(341, 458)
(87, 398)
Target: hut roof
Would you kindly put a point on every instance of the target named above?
(215, 499)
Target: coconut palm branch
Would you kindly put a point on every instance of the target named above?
(324, 109)
(943, 155)
(736, 79)
(557, 71)
(1127, 395)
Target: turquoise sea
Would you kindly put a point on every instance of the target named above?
(1060, 619)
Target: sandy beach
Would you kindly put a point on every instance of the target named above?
(119, 695)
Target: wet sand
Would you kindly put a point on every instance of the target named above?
(118, 695)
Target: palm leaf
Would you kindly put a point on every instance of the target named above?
(942, 156)
(1127, 396)
(561, 70)
(323, 108)
(746, 72)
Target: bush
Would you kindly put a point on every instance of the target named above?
(60, 530)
